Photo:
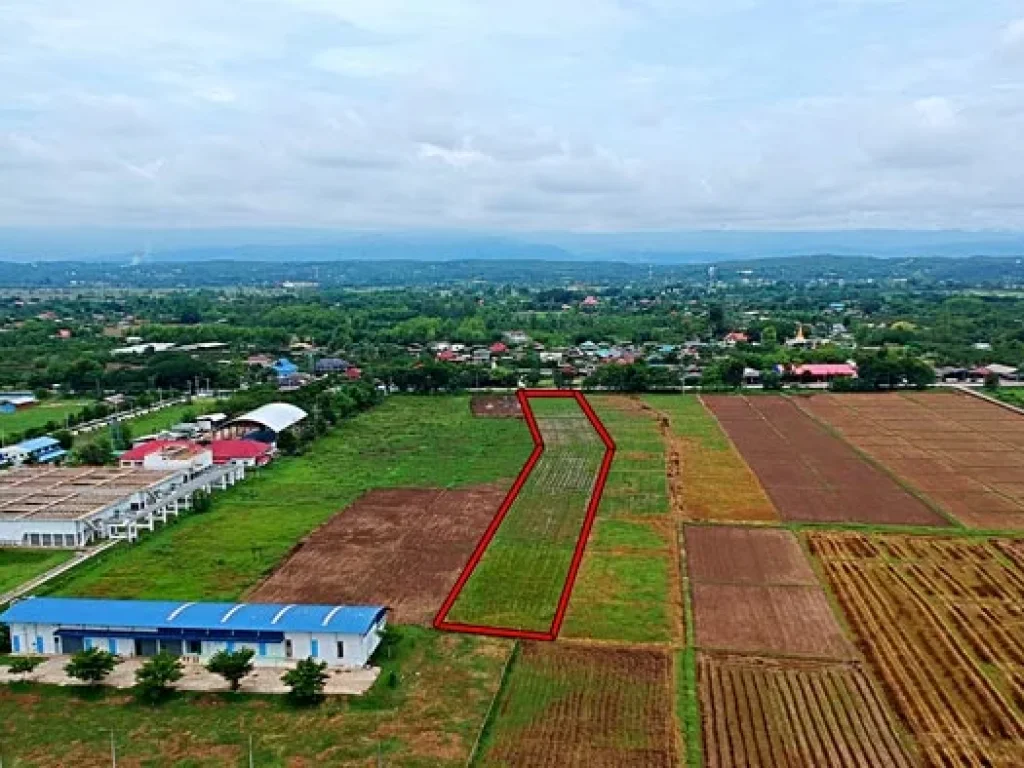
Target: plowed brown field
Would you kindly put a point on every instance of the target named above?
(962, 452)
(768, 714)
(497, 406)
(761, 597)
(809, 474)
(942, 622)
(569, 706)
(735, 555)
(399, 547)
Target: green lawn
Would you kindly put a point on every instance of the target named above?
(518, 581)
(1011, 395)
(430, 717)
(406, 441)
(38, 416)
(19, 565)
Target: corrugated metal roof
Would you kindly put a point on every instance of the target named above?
(275, 416)
(37, 443)
(151, 614)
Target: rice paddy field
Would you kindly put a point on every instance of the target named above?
(766, 583)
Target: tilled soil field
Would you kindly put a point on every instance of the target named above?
(809, 474)
(735, 555)
(941, 620)
(763, 713)
(496, 406)
(568, 706)
(400, 547)
(760, 597)
(963, 453)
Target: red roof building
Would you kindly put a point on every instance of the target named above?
(497, 348)
(138, 453)
(354, 373)
(824, 371)
(736, 337)
(590, 301)
(248, 452)
(447, 356)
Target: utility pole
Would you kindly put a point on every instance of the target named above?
(251, 763)
(113, 750)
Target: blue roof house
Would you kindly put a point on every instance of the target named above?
(284, 367)
(38, 450)
(341, 635)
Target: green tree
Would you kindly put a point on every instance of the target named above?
(992, 381)
(153, 679)
(287, 443)
(95, 453)
(65, 438)
(771, 380)
(24, 664)
(769, 337)
(232, 665)
(306, 680)
(91, 665)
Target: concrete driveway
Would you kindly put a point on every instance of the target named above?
(342, 681)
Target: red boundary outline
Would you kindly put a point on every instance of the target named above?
(524, 395)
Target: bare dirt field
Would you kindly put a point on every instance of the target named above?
(735, 555)
(809, 474)
(941, 620)
(496, 406)
(400, 547)
(764, 713)
(569, 706)
(744, 602)
(963, 453)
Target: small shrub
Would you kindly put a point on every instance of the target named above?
(153, 679)
(24, 664)
(91, 665)
(232, 665)
(306, 680)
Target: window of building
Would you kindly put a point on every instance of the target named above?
(195, 647)
(47, 540)
(288, 648)
(341, 649)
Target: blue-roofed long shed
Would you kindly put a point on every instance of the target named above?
(341, 635)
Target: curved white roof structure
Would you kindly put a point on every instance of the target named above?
(275, 416)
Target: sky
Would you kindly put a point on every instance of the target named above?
(532, 115)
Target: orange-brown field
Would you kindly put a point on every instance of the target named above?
(965, 454)
(708, 478)
(766, 713)
(941, 620)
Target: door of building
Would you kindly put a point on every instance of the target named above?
(145, 647)
(72, 644)
(314, 648)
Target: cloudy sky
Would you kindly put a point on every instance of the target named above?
(516, 115)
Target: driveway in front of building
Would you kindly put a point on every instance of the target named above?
(342, 681)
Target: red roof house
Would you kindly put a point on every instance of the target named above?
(447, 356)
(736, 337)
(590, 301)
(497, 348)
(354, 373)
(248, 452)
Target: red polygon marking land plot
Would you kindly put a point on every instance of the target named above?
(524, 395)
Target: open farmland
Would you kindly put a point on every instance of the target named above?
(405, 442)
(965, 454)
(519, 580)
(496, 406)
(942, 622)
(810, 475)
(629, 577)
(399, 547)
(764, 713)
(570, 706)
(710, 481)
(638, 482)
(753, 592)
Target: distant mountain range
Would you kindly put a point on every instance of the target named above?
(301, 245)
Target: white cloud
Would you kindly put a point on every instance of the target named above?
(579, 114)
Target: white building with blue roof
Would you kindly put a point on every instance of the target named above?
(40, 450)
(341, 635)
